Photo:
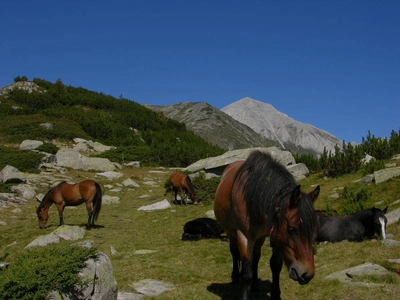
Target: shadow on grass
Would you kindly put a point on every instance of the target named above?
(95, 226)
(228, 291)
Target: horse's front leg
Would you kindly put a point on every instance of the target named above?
(180, 194)
(172, 194)
(255, 286)
(185, 199)
(275, 264)
(233, 247)
(60, 213)
(246, 256)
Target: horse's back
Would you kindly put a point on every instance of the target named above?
(177, 179)
(339, 228)
(77, 193)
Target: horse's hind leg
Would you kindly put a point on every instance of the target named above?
(255, 286)
(90, 222)
(276, 264)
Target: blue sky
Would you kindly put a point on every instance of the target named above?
(332, 64)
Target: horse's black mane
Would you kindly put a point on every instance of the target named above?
(41, 205)
(267, 186)
(190, 185)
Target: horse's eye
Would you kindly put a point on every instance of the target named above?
(292, 230)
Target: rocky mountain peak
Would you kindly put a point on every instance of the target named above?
(278, 127)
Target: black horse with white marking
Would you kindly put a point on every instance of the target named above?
(354, 228)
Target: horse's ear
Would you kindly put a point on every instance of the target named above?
(295, 198)
(315, 193)
(385, 209)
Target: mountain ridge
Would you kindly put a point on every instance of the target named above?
(253, 123)
(276, 126)
(207, 121)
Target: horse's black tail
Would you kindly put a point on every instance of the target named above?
(97, 201)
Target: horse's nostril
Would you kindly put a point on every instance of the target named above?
(305, 278)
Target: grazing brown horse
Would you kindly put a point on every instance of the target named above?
(182, 183)
(258, 198)
(65, 194)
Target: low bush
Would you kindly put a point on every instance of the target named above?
(372, 166)
(24, 161)
(39, 271)
(48, 148)
(353, 200)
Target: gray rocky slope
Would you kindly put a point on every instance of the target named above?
(213, 125)
(277, 127)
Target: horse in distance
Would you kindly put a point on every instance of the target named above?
(183, 184)
(353, 228)
(65, 194)
(257, 198)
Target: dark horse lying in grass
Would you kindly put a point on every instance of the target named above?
(202, 228)
(65, 194)
(183, 184)
(258, 198)
(354, 228)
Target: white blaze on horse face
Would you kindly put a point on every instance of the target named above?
(382, 221)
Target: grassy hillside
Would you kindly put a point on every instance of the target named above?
(138, 132)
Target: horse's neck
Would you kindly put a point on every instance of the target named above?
(46, 202)
(366, 219)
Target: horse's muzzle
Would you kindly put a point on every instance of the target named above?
(303, 278)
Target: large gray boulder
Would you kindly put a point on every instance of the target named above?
(30, 145)
(360, 275)
(151, 287)
(73, 159)
(299, 171)
(393, 216)
(9, 174)
(100, 281)
(164, 204)
(65, 232)
(11, 198)
(385, 174)
(84, 145)
(217, 164)
(26, 191)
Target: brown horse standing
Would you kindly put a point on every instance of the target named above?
(65, 194)
(258, 198)
(182, 183)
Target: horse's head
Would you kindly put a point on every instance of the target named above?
(380, 222)
(293, 234)
(43, 216)
(193, 197)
